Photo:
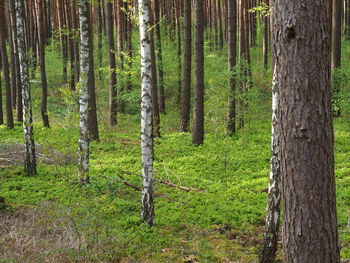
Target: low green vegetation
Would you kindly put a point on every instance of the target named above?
(220, 220)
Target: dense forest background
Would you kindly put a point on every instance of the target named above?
(210, 192)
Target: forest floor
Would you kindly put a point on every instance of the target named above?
(50, 218)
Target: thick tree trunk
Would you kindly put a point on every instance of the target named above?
(83, 149)
(30, 161)
(269, 248)
(198, 111)
(147, 210)
(112, 65)
(302, 74)
(186, 89)
(232, 57)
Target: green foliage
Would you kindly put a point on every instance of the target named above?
(223, 222)
(263, 9)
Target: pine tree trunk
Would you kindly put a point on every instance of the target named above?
(179, 64)
(5, 68)
(155, 106)
(198, 111)
(186, 89)
(266, 39)
(11, 24)
(19, 107)
(147, 210)
(93, 122)
(158, 44)
(43, 108)
(232, 57)
(336, 33)
(112, 65)
(30, 160)
(83, 150)
(302, 74)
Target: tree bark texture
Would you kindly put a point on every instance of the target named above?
(30, 160)
(83, 149)
(186, 86)
(198, 111)
(302, 75)
(147, 210)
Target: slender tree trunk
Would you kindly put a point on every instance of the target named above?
(158, 43)
(83, 162)
(269, 248)
(112, 65)
(178, 34)
(30, 161)
(232, 57)
(93, 122)
(336, 33)
(186, 89)
(19, 107)
(302, 74)
(5, 68)
(266, 39)
(43, 108)
(147, 211)
(155, 106)
(221, 35)
(99, 38)
(198, 111)
(11, 24)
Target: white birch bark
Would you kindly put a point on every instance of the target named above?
(147, 210)
(30, 161)
(269, 248)
(83, 149)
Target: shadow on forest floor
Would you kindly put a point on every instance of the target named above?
(13, 155)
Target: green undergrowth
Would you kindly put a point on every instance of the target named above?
(220, 220)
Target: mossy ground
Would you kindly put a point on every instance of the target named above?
(56, 220)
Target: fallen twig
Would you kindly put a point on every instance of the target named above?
(184, 188)
(121, 181)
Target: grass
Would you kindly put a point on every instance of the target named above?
(51, 218)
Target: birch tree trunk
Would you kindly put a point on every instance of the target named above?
(302, 50)
(83, 150)
(269, 247)
(147, 210)
(30, 161)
